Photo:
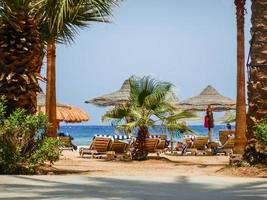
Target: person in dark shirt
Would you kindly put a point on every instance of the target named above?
(228, 126)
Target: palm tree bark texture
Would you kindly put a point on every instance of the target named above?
(257, 82)
(240, 140)
(21, 54)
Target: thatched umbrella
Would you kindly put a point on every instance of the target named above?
(115, 98)
(66, 113)
(41, 101)
(209, 96)
(121, 96)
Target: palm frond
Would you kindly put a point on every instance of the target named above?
(148, 92)
(181, 128)
(181, 115)
(118, 112)
(62, 19)
(127, 128)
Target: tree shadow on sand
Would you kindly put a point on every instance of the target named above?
(83, 187)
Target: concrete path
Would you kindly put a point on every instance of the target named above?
(134, 188)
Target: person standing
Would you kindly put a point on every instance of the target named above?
(209, 122)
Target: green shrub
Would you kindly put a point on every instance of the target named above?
(23, 145)
(261, 132)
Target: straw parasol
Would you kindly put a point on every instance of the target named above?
(66, 113)
(121, 96)
(41, 101)
(115, 98)
(209, 96)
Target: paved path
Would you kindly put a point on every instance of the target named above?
(134, 188)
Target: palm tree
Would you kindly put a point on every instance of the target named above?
(257, 81)
(147, 106)
(240, 97)
(61, 21)
(175, 127)
(21, 53)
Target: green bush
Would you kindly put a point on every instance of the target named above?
(23, 145)
(261, 132)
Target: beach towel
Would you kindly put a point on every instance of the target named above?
(123, 138)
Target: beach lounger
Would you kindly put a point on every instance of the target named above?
(151, 143)
(225, 134)
(198, 145)
(161, 147)
(67, 144)
(99, 145)
(119, 147)
(227, 147)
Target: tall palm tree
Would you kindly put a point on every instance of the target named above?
(257, 83)
(240, 97)
(61, 22)
(147, 105)
(21, 53)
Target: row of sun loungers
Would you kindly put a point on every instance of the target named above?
(115, 146)
(199, 145)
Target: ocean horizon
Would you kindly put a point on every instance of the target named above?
(83, 134)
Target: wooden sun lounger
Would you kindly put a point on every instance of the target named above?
(151, 145)
(100, 145)
(161, 147)
(224, 134)
(227, 147)
(118, 149)
(118, 146)
(67, 144)
(198, 146)
(162, 142)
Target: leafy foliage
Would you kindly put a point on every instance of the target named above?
(147, 102)
(60, 20)
(23, 145)
(261, 132)
(148, 106)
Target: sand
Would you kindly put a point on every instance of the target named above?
(71, 162)
(167, 166)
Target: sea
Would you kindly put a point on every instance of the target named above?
(83, 134)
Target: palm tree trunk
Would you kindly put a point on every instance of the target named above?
(50, 104)
(139, 152)
(171, 142)
(21, 55)
(257, 83)
(240, 97)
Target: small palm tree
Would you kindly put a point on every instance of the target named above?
(147, 105)
(175, 127)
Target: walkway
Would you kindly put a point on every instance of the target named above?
(134, 188)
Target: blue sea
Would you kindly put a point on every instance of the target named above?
(82, 134)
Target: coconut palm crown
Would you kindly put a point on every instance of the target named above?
(146, 107)
(60, 22)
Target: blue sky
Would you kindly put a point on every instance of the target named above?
(187, 42)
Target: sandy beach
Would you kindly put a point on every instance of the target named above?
(168, 166)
